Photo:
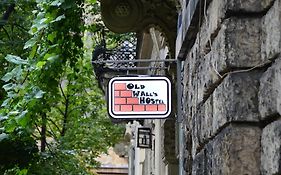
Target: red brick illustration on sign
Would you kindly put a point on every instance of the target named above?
(134, 98)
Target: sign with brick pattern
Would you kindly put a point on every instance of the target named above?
(139, 97)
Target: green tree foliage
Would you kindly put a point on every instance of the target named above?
(15, 21)
(50, 93)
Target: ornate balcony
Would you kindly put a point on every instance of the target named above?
(117, 61)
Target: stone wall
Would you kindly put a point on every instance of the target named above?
(232, 89)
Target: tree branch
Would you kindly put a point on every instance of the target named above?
(78, 107)
(7, 33)
(63, 94)
(43, 132)
(7, 14)
(37, 127)
(52, 133)
(25, 78)
(65, 116)
(21, 27)
(61, 112)
(54, 124)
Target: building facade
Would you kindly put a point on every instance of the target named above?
(226, 79)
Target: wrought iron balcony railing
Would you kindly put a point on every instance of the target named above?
(104, 58)
(121, 60)
(112, 62)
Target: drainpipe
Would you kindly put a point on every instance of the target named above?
(180, 118)
(158, 147)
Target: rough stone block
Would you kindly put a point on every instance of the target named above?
(237, 44)
(202, 126)
(236, 99)
(271, 33)
(196, 132)
(234, 47)
(277, 86)
(271, 149)
(208, 78)
(207, 121)
(249, 5)
(169, 140)
(235, 150)
(213, 18)
(268, 91)
(198, 166)
(216, 14)
(190, 82)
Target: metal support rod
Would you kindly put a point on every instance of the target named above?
(138, 68)
(133, 61)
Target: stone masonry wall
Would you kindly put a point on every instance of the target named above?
(232, 90)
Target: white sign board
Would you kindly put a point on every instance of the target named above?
(139, 97)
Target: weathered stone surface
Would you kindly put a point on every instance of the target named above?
(236, 150)
(214, 106)
(196, 132)
(213, 19)
(202, 126)
(271, 33)
(208, 78)
(190, 84)
(216, 14)
(249, 5)
(169, 140)
(207, 121)
(271, 149)
(268, 91)
(237, 44)
(236, 99)
(198, 166)
(234, 47)
(278, 85)
(187, 158)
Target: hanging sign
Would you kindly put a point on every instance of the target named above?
(144, 137)
(139, 97)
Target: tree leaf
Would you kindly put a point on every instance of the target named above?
(57, 3)
(7, 77)
(10, 126)
(51, 37)
(30, 43)
(51, 57)
(22, 119)
(9, 86)
(39, 23)
(3, 136)
(58, 18)
(39, 94)
(40, 64)
(6, 102)
(14, 113)
(23, 172)
(15, 59)
(16, 72)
